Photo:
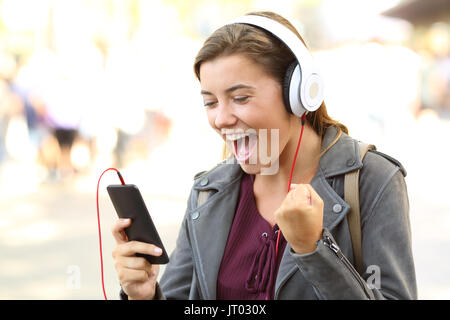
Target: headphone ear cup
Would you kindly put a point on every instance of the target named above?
(291, 90)
(286, 85)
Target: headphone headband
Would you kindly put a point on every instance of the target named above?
(310, 88)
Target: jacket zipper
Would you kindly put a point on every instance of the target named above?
(333, 246)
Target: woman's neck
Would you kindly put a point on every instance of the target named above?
(305, 167)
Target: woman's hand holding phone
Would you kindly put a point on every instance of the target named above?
(136, 275)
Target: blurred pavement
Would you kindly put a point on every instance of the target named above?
(50, 247)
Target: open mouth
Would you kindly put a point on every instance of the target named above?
(244, 145)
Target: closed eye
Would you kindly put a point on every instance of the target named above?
(242, 99)
(209, 104)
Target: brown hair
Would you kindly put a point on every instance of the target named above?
(266, 50)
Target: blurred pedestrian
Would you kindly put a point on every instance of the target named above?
(63, 117)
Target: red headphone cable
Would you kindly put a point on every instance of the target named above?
(290, 177)
(99, 229)
(123, 183)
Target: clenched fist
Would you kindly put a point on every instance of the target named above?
(300, 218)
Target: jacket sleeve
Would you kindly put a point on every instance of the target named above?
(387, 253)
(176, 281)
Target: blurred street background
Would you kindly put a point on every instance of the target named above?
(90, 84)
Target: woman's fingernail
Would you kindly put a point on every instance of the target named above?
(157, 250)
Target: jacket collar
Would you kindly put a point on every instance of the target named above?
(342, 157)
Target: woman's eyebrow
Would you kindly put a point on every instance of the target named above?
(230, 89)
(238, 86)
(204, 92)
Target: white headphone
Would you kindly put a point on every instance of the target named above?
(303, 85)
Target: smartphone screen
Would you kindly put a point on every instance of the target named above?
(128, 203)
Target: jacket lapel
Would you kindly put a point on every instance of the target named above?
(341, 158)
(211, 222)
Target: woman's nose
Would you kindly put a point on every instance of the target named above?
(225, 117)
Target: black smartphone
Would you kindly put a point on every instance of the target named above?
(128, 202)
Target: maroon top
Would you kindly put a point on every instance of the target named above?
(248, 269)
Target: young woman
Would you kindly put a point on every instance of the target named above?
(251, 238)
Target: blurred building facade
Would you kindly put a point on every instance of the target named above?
(431, 39)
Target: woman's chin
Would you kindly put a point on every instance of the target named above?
(250, 168)
(258, 169)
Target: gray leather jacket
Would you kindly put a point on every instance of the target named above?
(326, 273)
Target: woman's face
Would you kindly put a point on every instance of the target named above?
(245, 106)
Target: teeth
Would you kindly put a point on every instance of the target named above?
(236, 136)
